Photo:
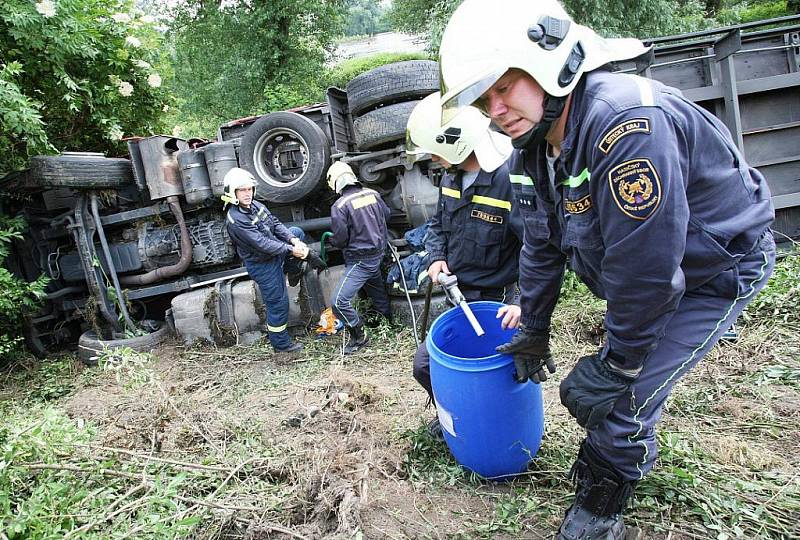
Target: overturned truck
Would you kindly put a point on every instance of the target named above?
(137, 247)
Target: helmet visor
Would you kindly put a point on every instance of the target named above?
(414, 153)
(469, 95)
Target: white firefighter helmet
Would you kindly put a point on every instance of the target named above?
(340, 175)
(486, 38)
(234, 179)
(454, 141)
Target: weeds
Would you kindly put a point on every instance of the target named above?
(128, 366)
(195, 443)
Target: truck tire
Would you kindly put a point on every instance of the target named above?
(380, 127)
(288, 154)
(90, 347)
(81, 170)
(392, 83)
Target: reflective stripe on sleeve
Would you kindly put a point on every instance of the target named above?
(575, 181)
(520, 179)
(454, 193)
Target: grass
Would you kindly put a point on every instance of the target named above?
(198, 442)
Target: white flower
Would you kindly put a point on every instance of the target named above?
(46, 8)
(142, 64)
(121, 17)
(154, 80)
(133, 41)
(125, 88)
(165, 108)
(176, 131)
(115, 132)
(148, 19)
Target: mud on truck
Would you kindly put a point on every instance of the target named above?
(137, 248)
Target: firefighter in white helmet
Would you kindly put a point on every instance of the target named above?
(267, 248)
(358, 222)
(476, 233)
(648, 198)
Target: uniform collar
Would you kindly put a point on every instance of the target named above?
(483, 179)
(572, 129)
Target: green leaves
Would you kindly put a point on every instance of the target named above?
(18, 296)
(273, 58)
(56, 60)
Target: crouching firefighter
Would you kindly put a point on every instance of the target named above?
(648, 198)
(358, 221)
(476, 233)
(267, 248)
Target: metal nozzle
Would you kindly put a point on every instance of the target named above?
(454, 295)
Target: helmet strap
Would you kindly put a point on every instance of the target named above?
(553, 107)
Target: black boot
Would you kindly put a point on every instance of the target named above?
(358, 338)
(600, 497)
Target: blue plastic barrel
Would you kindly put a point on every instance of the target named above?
(492, 424)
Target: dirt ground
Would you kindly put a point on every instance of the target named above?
(324, 446)
(332, 432)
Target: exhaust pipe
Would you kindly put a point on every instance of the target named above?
(168, 271)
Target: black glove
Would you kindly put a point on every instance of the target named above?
(315, 261)
(592, 388)
(531, 352)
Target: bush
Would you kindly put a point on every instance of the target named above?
(340, 74)
(17, 296)
(76, 75)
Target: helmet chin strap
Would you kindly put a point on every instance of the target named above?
(553, 107)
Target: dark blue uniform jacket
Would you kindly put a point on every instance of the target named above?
(652, 199)
(358, 220)
(257, 234)
(478, 231)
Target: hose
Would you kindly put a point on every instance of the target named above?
(322, 253)
(175, 269)
(110, 263)
(405, 288)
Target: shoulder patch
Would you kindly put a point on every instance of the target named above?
(636, 188)
(634, 125)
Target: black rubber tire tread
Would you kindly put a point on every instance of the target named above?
(392, 83)
(318, 148)
(90, 346)
(382, 126)
(81, 172)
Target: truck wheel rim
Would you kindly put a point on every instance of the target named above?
(280, 157)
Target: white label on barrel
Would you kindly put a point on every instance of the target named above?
(446, 420)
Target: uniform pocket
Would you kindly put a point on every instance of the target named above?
(485, 241)
(583, 231)
(705, 258)
(536, 224)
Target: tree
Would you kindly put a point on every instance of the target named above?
(642, 19)
(365, 17)
(250, 57)
(77, 75)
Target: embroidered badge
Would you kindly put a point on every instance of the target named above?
(578, 207)
(635, 125)
(636, 188)
(485, 216)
